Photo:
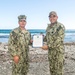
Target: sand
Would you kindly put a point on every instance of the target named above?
(38, 60)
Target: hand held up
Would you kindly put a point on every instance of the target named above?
(45, 47)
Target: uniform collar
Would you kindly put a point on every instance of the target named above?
(53, 24)
(21, 30)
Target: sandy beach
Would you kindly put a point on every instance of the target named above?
(38, 60)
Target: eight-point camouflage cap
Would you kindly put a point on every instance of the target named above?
(21, 17)
(52, 13)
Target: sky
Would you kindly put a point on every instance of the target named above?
(37, 12)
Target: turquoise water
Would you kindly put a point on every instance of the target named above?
(69, 34)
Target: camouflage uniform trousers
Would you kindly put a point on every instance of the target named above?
(56, 59)
(20, 68)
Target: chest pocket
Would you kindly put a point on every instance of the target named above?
(15, 39)
(51, 31)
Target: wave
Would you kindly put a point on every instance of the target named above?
(4, 35)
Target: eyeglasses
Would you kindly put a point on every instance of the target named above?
(53, 16)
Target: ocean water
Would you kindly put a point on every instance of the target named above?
(69, 34)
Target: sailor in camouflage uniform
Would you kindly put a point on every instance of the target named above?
(55, 37)
(18, 46)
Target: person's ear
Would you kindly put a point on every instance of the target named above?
(57, 17)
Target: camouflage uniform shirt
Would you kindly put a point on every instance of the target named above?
(55, 38)
(18, 45)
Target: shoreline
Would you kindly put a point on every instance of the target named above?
(69, 43)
